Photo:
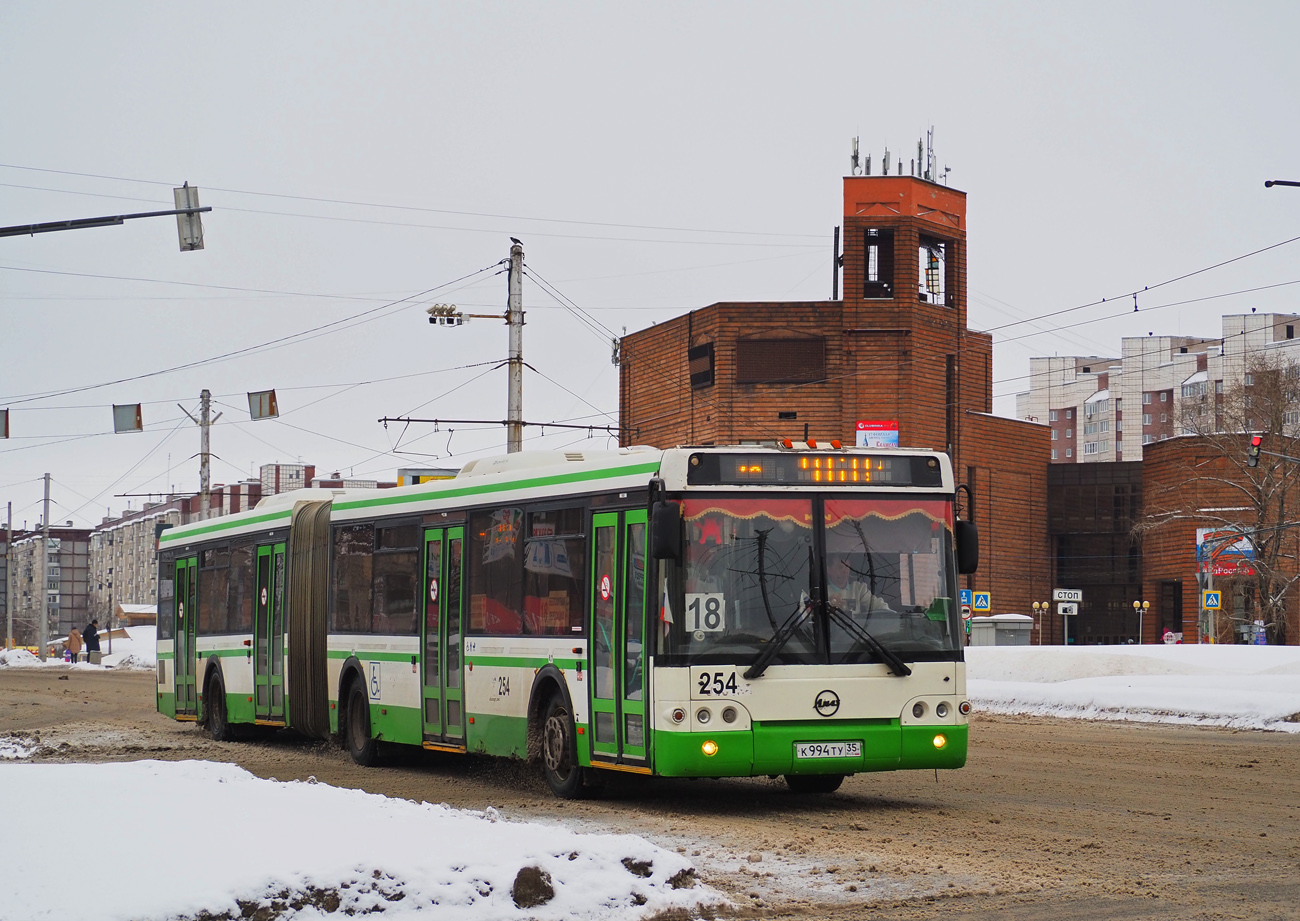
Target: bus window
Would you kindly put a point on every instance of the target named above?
(354, 548)
(555, 563)
(496, 572)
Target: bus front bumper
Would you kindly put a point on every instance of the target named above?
(771, 748)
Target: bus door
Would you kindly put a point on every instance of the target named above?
(617, 633)
(187, 619)
(442, 685)
(268, 635)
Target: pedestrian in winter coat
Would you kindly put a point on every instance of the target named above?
(73, 645)
(91, 633)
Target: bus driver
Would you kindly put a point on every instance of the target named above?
(846, 591)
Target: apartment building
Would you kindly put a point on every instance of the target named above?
(1107, 409)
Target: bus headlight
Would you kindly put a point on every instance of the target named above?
(710, 748)
(702, 715)
(918, 709)
(729, 714)
(941, 741)
(941, 710)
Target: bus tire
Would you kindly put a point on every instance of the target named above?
(814, 783)
(363, 749)
(560, 751)
(218, 719)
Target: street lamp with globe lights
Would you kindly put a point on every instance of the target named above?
(1140, 608)
(1040, 607)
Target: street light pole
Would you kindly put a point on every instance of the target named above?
(1269, 183)
(1140, 608)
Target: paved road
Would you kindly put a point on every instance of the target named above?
(1051, 819)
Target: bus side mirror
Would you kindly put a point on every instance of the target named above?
(666, 531)
(967, 537)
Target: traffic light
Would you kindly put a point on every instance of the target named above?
(1252, 456)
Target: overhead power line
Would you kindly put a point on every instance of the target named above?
(302, 335)
(423, 210)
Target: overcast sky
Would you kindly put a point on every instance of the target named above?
(653, 160)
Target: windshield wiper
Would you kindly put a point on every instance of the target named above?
(768, 653)
(896, 665)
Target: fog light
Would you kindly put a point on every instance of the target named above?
(964, 707)
(729, 715)
(941, 741)
(918, 709)
(703, 715)
(941, 710)
(710, 748)
(678, 715)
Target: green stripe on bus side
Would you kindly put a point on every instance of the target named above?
(165, 655)
(174, 534)
(492, 734)
(533, 483)
(224, 653)
(396, 724)
(367, 655)
(533, 662)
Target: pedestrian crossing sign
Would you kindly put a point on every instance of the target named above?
(982, 601)
(1212, 601)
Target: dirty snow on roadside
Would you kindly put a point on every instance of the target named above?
(305, 851)
(1239, 687)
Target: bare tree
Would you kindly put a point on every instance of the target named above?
(1217, 488)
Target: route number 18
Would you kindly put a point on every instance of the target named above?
(706, 612)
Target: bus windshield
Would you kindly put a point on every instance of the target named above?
(751, 575)
(887, 572)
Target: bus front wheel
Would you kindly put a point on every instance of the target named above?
(363, 749)
(814, 783)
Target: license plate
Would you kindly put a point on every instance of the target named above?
(804, 750)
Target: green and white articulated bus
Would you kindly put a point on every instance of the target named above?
(692, 612)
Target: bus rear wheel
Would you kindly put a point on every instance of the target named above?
(560, 751)
(218, 719)
(363, 749)
(814, 783)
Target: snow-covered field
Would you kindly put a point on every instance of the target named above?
(192, 836)
(328, 850)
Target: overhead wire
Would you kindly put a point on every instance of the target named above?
(413, 208)
(302, 335)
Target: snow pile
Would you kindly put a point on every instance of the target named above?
(137, 651)
(305, 850)
(21, 658)
(1241, 687)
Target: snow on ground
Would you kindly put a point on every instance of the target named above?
(316, 847)
(138, 650)
(1241, 687)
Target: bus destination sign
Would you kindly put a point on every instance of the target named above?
(812, 469)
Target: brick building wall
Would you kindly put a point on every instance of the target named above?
(1195, 466)
(895, 348)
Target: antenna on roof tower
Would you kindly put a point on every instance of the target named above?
(854, 169)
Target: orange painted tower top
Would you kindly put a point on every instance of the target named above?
(904, 196)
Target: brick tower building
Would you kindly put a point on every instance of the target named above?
(894, 352)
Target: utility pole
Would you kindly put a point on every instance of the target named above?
(205, 425)
(43, 621)
(515, 320)
(9, 581)
(204, 422)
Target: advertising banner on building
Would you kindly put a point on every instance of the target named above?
(877, 434)
(1225, 551)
